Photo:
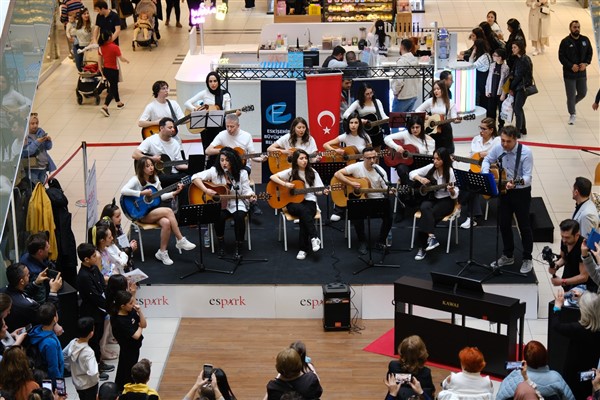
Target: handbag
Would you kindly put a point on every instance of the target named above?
(531, 89)
(545, 10)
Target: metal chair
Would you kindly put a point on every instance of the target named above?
(286, 216)
(139, 227)
(450, 218)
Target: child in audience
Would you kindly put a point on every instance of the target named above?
(80, 357)
(114, 214)
(140, 375)
(497, 76)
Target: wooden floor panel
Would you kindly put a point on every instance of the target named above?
(246, 348)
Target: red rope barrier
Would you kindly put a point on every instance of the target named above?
(64, 164)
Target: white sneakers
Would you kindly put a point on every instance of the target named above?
(301, 255)
(572, 119)
(316, 244)
(185, 244)
(164, 257)
(335, 218)
(467, 224)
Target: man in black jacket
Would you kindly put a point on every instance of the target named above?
(90, 283)
(575, 54)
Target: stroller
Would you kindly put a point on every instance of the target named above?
(143, 34)
(90, 82)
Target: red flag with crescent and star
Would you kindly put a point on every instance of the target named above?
(323, 96)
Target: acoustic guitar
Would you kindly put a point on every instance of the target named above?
(393, 158)
(279, 161)
(136, 208)
(350, 156)
(154, 129)
(207, 107)
(372, 124)
(245, 156)
(502, 187)
(281, 196)
(197, 196)
(349, 192)
(435, 121)
(166, 162)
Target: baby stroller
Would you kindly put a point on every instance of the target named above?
(143, 34)
(90, 82)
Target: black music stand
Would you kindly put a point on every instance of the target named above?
(400, 119)
(369, 208)
(326, 171)
(207, 119)
(198, 214)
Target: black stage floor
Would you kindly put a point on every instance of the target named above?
(333, 263)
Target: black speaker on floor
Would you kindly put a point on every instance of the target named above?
(336, 307)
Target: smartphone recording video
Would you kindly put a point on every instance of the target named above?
(207, 371)
(403, 378)
(60, 387)
(510, 365)
(586, 376)
(47, 384)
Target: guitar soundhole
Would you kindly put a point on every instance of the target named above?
(148, 199)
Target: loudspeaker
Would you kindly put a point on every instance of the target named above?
(541, 223)
(336, 307)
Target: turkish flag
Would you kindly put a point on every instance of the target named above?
(323, 92)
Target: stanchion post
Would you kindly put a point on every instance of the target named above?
(83, 202)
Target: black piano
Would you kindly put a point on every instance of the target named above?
(444, 339)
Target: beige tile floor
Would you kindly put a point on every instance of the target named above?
(555, 169)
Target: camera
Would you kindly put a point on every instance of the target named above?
(587, 375)
(403, 378)
(510, 365)
(548, 256)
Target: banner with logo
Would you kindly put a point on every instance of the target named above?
(323, 94)
(278, 102)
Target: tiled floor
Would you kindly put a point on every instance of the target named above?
(555, 169)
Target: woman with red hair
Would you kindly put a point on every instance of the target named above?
(469, 381)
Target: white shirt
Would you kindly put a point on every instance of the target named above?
(241, 139)
(425, 146)
(362, 111)
(284, 143)
(438, 108)
(133, 188)
(286, 175)
(439, 179)
(478, 146)
(154, 145)
(350, 140)
(156, 111)
(211, 175)
(358, 170)
(205, 97)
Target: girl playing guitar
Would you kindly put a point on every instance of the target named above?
(366, 105)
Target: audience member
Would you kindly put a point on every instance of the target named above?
(481, 59)
(492, 19)
(490, 37)
(548, 382)
(516, 34)
(590, 264)
(405, 90)
(219, 379)
(412, 356)
(356, 68)
(574, 272)
(138, 389)
(35, 151)
(527, 390)
(522, 77)
(90, 283)
(307, 365)
(16, 378)
(195, 391)
(292, 378)
(44, 394)
(539, 24)
(8, 339)
(596, 386)
(394, 385)
(585, 211)
(47, 343)
(108, 391)
(23, 294)
(79, 356)
(497, 76)
(36, 258)
(106, 20)
(469, 381)
(582, 352)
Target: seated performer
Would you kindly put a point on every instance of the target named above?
(306, 210)
(376, 176)
(163, 143)
(441, 203)
(228, 172)
(298, 138)
(164, 216)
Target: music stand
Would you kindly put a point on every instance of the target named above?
(400, 119)
(197, 214)
(326, 171)
(369, 208)
(207, 119)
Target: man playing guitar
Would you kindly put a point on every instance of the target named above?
(163, 143)
(376, 176)
(160, 107)
(517, 160)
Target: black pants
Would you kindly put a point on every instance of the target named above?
(444, 138)
(173, 4)
(480, 99)
(112, 76)
(239, 224)
(470, 200)
(305, 212)
(517, 202)
(521, 123)
(169, 179)
(96, 337)
(208, 135)
(494, 108)
(432, 212)
(128, 356)
(386, 225)
(89, 393)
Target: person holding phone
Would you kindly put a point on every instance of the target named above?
(412, 356)
(394, 388)
(35, 152)
(589, 257)
(8, 339)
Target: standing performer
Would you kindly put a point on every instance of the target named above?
(517, 161)
(367, 105)
(298, 138)
(439, 103)
(306, 210)
(160, 107)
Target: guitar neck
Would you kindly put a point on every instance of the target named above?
(433, 188)
(370, 125)
(372, 190)
(309, 190)
(467, 160)
(167, 189)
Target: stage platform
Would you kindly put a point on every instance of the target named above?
(284, 287)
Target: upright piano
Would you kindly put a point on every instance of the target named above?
(444, 339)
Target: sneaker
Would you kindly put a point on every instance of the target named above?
(120, 106)
(572, 119)
(206, 239)
(362, 248)
(164, 257)
(526, 267)
(420, 255)
(105, 112)
(502, 261)
(103, 376)
(301, 255)
(335, 218)
(467, 224)
(535, 52)
(432, 243)
(316, 244)
(167, 22)
(103, 367)
(179, 25)
(381, 246)
(185, 244)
